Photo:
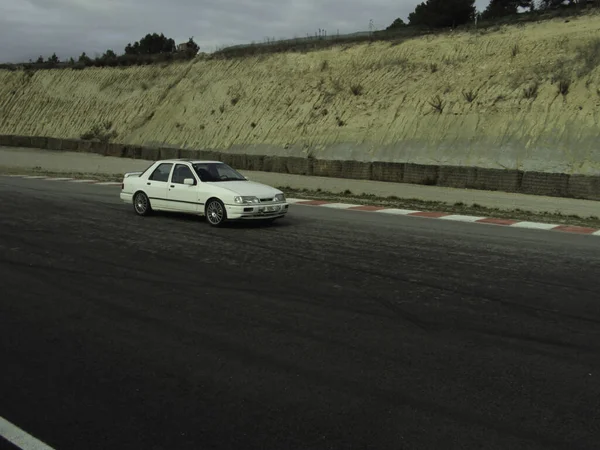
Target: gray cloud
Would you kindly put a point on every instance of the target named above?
(30, 28)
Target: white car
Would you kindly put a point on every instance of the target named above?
(205, 188)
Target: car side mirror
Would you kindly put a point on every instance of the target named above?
(189, 181)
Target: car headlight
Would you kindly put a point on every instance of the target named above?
(245, 200)
(280, 198)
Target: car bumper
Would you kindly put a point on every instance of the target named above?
(127, 198)
(256, 212)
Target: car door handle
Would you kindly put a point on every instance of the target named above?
(172, 185)
(148, 184)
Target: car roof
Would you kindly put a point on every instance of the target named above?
(192, 161)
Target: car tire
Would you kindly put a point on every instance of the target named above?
(141, 204)
(215, 212)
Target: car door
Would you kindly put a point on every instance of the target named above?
(157, 186)
(183, 197)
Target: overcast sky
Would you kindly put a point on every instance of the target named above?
(30, 28)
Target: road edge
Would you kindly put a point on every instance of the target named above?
(485, 220)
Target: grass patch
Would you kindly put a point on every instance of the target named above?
(469, 96)
(437, 104)
(531, 91)
(102, 133)
(563, 87)
(588, 57)
(356, 89)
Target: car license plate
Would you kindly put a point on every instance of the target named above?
(272, 208)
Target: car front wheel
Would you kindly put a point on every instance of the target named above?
(215, 212)
(141, 204)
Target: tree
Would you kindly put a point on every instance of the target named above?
(109, 54)
(151, 44)
(40, 60)
(398, 23)
(443, 13)
(192, 48)
(85, 59)
(501, 8)
(53, 59)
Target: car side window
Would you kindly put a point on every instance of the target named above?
(161, 173)
(180, 173)
(203, 172)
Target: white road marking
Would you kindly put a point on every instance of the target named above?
(295, 200)
(461, 218)
(18, 437)
(338, 205)
(402, 212)
(534, 225)
(32, 177)
(597, 233)
(83, 181)
(109, 183)
(59, 179)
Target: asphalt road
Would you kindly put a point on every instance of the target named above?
(329, 330)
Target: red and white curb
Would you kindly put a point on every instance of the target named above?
(382, 210)
(448, 216)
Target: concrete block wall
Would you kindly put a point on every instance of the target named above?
(537, 183)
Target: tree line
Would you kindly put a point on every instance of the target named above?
(150, 49)
(428, 15)
(453, 13)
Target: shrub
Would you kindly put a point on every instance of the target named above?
(515, 50)
(437, 104)
(356, 89)
(563, 87)
(102, 133)
(531, 91)
(469, 96)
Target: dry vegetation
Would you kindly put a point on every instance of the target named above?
(396, 100)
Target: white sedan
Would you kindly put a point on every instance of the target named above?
(205, 188)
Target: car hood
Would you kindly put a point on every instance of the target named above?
(247, 188)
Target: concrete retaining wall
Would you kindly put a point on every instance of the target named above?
(537, 183)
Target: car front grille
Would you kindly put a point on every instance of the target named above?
(266, 200)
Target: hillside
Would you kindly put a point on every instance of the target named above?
(365, 102)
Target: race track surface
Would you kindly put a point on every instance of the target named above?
(328, 330)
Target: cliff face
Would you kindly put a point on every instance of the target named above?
(458, 99)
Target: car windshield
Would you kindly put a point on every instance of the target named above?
(217, 172)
